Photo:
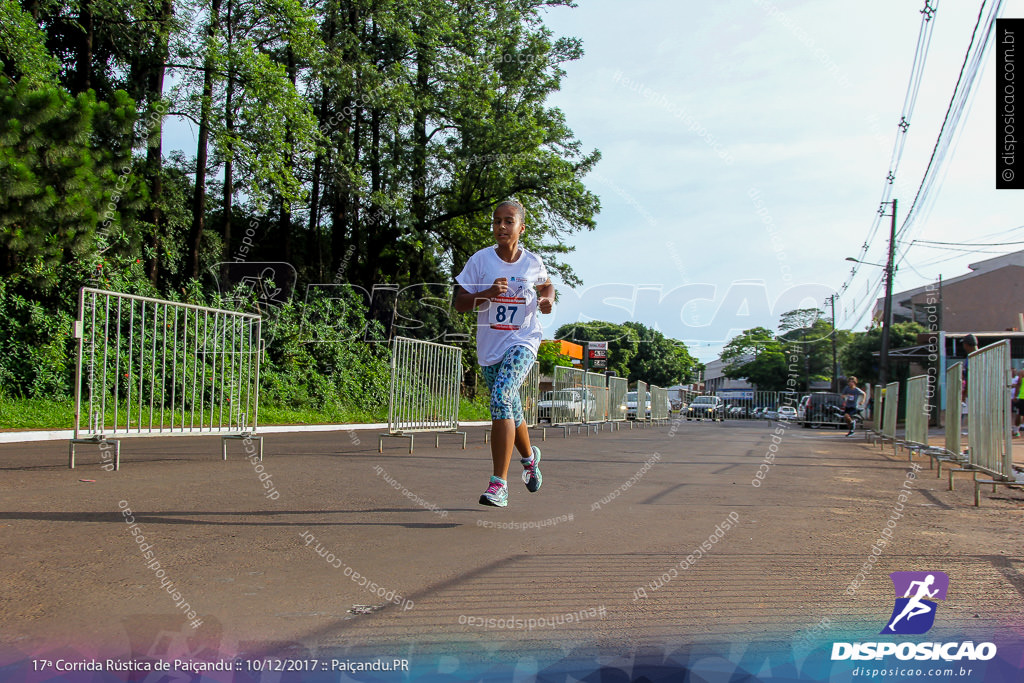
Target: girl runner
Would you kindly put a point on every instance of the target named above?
(498, 282)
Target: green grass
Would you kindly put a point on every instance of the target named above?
(45, 414)
(36, 413)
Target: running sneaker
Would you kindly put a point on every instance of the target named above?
(531, 471)
(496, 494)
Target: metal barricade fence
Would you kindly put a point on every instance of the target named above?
(741, 406)
(954, 409)
(988, 410)
(659, 404)
(424, 395)
(877, 409)
(529, 395)
(916, 431)
(568, 404)
(597, 398)
(753, 405)
(148, 367)
(642, 393)
(618, 387)
(892, 402)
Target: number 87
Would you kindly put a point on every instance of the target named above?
(500, 315)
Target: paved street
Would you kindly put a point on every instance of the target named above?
(640, 542)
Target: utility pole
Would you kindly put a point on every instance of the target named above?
(835, 375)
(883, 364)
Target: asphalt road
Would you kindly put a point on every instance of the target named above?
(640, 542)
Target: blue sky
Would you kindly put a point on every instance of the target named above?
(746, 145)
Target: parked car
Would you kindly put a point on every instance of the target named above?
(566, 405)
(631, 405)
(787, 413)
(801, 408)
(817, 409)
(706, 408)
(740, 412)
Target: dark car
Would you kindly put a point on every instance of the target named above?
(818, 409)
(706, 408)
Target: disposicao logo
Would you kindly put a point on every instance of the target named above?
(914, 614)
(916, 592)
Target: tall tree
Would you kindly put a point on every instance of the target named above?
(758, 356)
(860, 355)
(267, 121)
(659, 359)
(54, 180)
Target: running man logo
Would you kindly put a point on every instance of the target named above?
(916, 592)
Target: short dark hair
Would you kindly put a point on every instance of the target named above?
(969, 340)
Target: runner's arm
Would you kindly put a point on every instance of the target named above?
(469, 301)
(545, 296)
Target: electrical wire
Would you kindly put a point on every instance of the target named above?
(972, 64)
(966, 244)
(921, 50)
(947, 137)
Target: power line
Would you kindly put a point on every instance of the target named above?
(957, 103)
(921, 50)
(961, 249)
(967, 244)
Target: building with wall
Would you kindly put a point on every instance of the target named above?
(716, 381)
(990, 297)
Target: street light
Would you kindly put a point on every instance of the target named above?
(866, 263)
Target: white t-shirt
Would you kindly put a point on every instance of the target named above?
(511, 319)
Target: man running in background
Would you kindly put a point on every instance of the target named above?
(853, 399)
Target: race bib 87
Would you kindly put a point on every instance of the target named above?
(508, 311)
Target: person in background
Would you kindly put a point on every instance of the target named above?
(969, 345)
(1017, 401)
(853, 400)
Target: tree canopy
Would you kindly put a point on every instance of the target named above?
(801, 352)
(362, 142)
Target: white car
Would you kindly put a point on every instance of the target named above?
(631, 405)
(787, 413)
(563, 406)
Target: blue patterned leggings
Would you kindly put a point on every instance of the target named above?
(504, 380)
